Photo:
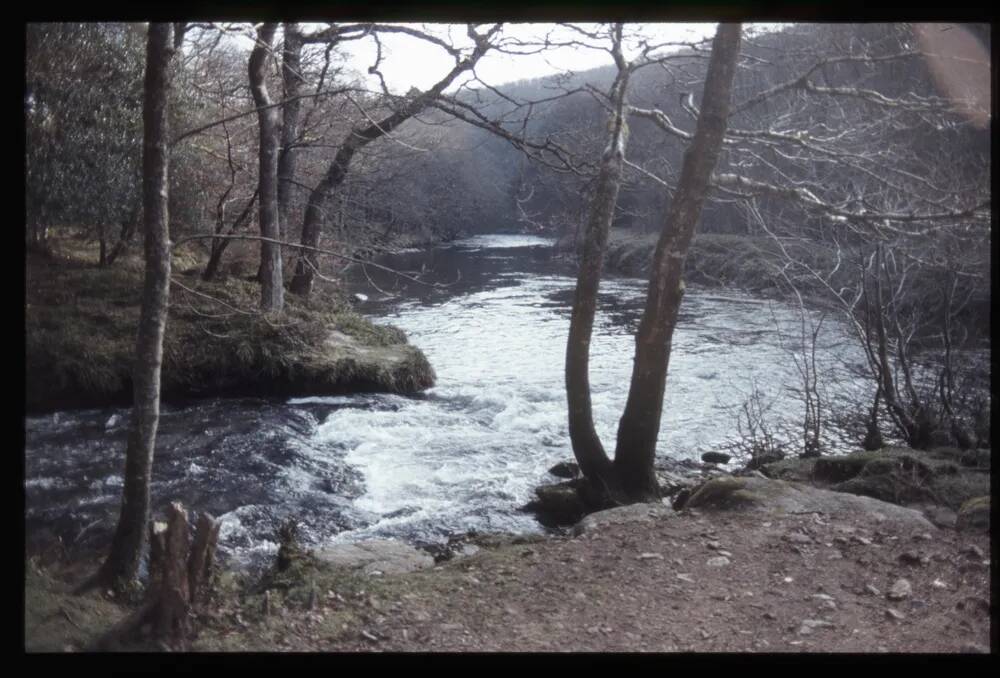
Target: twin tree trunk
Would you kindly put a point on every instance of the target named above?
(271, 279)
(120, 570)
(587, 447)
(630, 477)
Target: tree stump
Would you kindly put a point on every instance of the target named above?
(180, 573)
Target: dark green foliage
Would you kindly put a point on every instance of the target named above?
(83, 122)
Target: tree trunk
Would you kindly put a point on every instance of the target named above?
(102, 239)
(125, 237)
(272, 296)
(312, 223)
(120, 570)
(291, 77)
(587, 447)
(640, 424)
(219, 245)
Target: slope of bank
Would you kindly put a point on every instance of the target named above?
(80, 325)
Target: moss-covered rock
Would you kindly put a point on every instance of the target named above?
(887, 487)
(904, 476)
(839, 469)
(974, 515)
(778, 497)
(972, 458)
(790, 469)
(725, 492)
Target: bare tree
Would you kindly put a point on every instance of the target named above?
(292, 80)
(630, 476)
(121, 568)
(363, 135)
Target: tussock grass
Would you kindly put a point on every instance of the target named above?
(81, 321)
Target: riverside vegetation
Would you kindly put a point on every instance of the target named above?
(80, 334)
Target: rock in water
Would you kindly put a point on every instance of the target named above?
(715, 458)
(565, 469)
(558, 504)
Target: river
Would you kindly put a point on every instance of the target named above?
(462, 456)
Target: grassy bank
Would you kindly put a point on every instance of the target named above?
(80, 324)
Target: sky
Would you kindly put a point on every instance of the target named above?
(410, 62)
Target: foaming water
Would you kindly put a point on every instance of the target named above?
(462, 456)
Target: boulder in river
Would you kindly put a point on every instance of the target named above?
(566, 469)
(716, 458)
(557, 504)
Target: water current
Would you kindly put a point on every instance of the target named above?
(464, 455)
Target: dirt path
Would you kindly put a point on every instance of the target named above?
(696, 582)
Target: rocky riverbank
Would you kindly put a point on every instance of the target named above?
(80, 331)
(748, 564)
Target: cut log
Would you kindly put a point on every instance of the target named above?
(202, 555)
(174, 593)
(180, 575)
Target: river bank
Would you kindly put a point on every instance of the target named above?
(80, 324)
(769, 566)
(742, 262)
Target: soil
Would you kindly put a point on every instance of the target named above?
(621, 589)
(793, 583)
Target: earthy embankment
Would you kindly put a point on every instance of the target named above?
(80, 330)
(749, 564)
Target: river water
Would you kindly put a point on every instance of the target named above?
(462, 456)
